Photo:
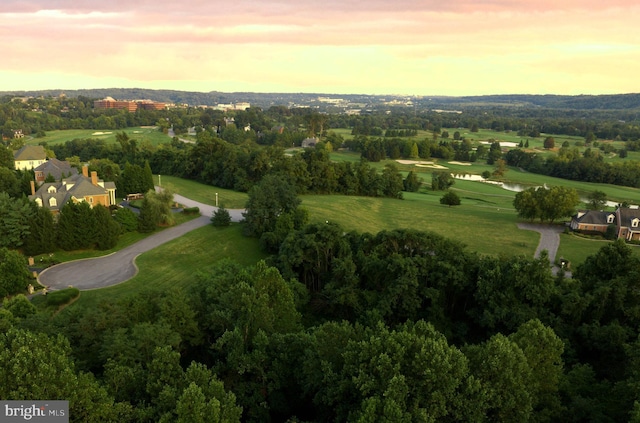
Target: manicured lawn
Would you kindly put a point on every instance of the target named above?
(175, 263)
(204, 193)
(485, 221)
(141, 135)
(576, 248)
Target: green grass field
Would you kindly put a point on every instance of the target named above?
(174, 264)
(204, 193)
(485, 221)
(142, 135)
(576, 249)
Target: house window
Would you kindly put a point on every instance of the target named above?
(53, 202)
(610, 218)
(51, 189)
(91, 200)
(634, 223)
(39, 202)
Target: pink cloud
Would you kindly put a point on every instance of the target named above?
(195, 8)
(198, 39)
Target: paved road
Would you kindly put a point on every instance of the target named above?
(120, 266)
(549, 240)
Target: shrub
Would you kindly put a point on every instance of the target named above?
(450, 199)
(127, 219)
(191, 210)
(221, 217)
(64, 296)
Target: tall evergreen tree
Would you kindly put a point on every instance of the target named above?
(42, 233)
(76, 226)
(412, 183)
(147, 177)
(107, 229)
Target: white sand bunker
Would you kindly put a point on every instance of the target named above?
(414, 162)
(502, 143)
(102, 133)
(460, 163)
(432, 166)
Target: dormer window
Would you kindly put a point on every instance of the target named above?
(634, 222)
(53, 202)
(610, 218)
(51, 190)
(39, 202)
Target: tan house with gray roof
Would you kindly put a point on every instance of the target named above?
(626, 221)
(593, 221)
(29, 157)
(77, 188)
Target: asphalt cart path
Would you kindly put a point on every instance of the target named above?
(120, 266)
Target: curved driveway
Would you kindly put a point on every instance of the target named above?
(549, 238)
(120, 266)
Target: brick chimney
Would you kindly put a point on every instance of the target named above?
(85, 171)
(94, 178)
(33, 188)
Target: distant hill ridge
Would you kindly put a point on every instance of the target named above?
(567, 102)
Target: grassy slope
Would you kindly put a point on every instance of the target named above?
(485, 221)
(204, 193)
(175, 263)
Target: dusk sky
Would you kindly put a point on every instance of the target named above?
(413, 47)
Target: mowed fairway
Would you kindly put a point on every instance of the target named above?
(485, 221)
(142, 135)
(175, 264)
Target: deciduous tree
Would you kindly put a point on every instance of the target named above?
(441, 180)
(269, 199)
(450, 199)
(597, 200)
